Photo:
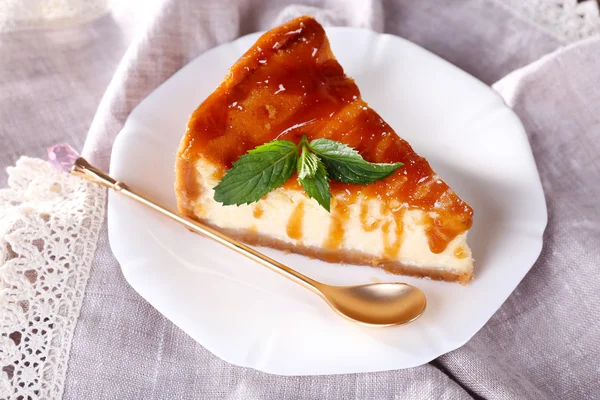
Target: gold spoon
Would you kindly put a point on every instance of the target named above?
(377, 304)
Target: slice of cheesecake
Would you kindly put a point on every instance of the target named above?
(287, 85)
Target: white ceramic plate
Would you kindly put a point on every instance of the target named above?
(252, 317)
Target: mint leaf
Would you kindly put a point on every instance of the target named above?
(316, 185)
(270, 165)
(307, 164)
(257, 173)
(344, 164)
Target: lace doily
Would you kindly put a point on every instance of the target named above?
(30, 14)
(49, 225)
(566, 20)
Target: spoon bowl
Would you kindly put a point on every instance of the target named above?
(376, 304)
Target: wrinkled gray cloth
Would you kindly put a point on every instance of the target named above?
(51, 84)
(545, 340)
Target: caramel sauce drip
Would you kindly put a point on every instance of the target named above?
(337, 226)
(440, 232)
(257, 211)
(289, 84)
(391, 247)
(460, 253)
(294, 227)
(364, 218)
(192, 187)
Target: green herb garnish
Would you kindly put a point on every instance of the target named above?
(270, 165)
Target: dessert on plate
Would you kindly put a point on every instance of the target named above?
(288, 87)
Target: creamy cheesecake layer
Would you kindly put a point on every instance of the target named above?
(367, 227)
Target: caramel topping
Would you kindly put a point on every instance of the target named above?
(289, 84)
(391, 247)
(460, 252)
(294, 227)
(440, 232)
(191, 180)
(364, 218)
(339, 217)
(257, 211)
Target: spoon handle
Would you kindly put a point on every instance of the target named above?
(83, 169)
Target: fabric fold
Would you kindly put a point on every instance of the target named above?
(541, 344)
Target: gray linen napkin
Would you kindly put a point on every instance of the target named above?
(51, 83)
(543, 342)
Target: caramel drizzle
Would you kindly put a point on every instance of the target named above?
(460, 253)
(187, 181)
(391, 247)
(339, 218)
(439, 235)
(294, 227)
(364, 216)
(257, 211)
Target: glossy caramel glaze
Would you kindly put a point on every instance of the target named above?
(289, 84)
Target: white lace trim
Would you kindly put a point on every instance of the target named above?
(49, 226)
(566, 20)
(36, 14)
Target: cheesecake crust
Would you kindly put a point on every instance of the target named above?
(344, 257)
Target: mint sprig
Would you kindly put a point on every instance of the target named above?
(270, 165)
(344, 164)
(312, 175)
(257, 173)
